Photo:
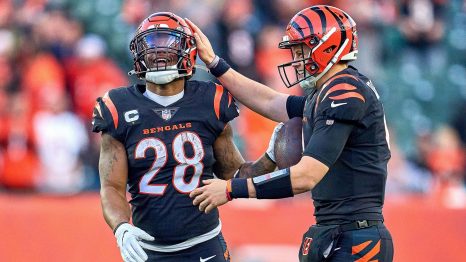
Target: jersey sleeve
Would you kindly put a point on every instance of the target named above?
(328, 140)
(225, 106)
(105, 117)
(342, 101)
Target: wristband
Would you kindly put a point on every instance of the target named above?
(117, 226)
(219, 69)
(273, 185)
(239, 188)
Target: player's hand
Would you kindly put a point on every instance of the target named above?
(204, 48)
(271, 149)
(210, 196)
(128, 240)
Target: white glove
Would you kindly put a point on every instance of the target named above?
(128, 240)
(271, 148)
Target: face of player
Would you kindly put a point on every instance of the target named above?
(164, 48)
(300, 52)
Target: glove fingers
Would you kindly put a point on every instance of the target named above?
(132, 253)
(141, 234)
(126, 256)
(142, 256)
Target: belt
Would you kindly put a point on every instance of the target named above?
(360, 224)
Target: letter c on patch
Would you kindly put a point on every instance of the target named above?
(131, 116)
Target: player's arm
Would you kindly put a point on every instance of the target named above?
(231, 163)
(260, 98)
(319, 155)
(113, 171)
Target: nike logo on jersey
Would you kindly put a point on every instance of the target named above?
(205, 259)
(333, 104)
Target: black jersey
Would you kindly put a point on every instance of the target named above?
(169, 152)
(344, 128)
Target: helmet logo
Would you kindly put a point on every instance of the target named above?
(158, 26)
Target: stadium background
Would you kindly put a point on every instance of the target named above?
(56, 56)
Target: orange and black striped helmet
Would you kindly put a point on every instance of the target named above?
(163, 42)
(321, 28)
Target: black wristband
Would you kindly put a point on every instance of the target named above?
(117, 226)
(220, 69)
(239, 188)
(273, 185)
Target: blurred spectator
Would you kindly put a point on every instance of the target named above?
(42, 75)
(422, 25)
(447, 162)
(280, 12)
(91, 74)
(238, 27)
(371, 16)
(405, 177)
(21, 168)
(447, 157)
(60, 138)
(134, 11)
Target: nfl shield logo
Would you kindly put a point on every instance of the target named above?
(166, 113)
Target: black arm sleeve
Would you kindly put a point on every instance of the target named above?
(328, 140)
(295, 106)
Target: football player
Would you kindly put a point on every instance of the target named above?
(162, 139)
(344, 163)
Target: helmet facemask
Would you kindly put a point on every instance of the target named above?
(302, 68)
(162, 55)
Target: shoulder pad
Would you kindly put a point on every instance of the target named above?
(341, 99)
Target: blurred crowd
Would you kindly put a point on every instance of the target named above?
(57, 56)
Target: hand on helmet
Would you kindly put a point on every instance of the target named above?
(204, 48)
